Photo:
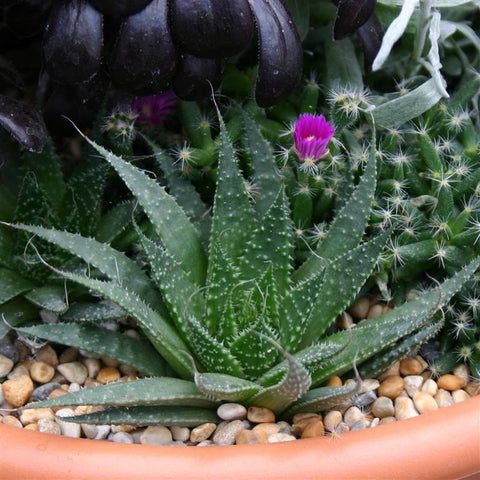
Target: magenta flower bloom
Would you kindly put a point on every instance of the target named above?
(153, 109)
(311, 135)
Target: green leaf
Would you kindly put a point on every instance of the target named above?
(343, 67)
(93, 312)
(342, 281)
(169, 220)
(49, 297)
(225, 387)
(405, 108)
(109, 261)
(266, 177)
(184, 192)
(300, 11)
(348, 227)
(320, 399)
(294, 384)
(141, 392)
(12, 284)
(168, 416)
(112, 224)
(136, 353)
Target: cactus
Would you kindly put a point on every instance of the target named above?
(241, 318)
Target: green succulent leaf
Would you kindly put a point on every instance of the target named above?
(12, 284)
(167, 217)
(183, 416)
(138, 354)
(219, 386)
(141, 392)
(49, 297)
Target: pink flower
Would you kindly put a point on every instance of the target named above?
(153, 109)
(311, 135)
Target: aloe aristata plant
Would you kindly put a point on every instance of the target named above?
(231, 314)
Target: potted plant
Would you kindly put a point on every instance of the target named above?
(232, 316)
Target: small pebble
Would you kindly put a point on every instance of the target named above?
(93, 366)
(202, 432)
(301, 420)
(41, 372)
(334, 381)
(430, 386)
(410, 366)
(364, 399)
(313, 429)
(413, 384)
(345, 321)
(95, 432)
(156, 435)
(33, 415)
(459, 396)
(391, 387)
(443, 398)
(368, 385)
(360, 308)
(68, 355)
(249, 437)
(6, 365)
(260, 415)
(462, 371)
(280, 437)
(74, 372)
(383, 407)
(451, 382)
(393, 370)
(473, 388)
(43, 391)
(227, 431)
(375, 311)
(424, 402)
(46, 425)
(18, 390)
(48, 355)
(69, 429)
(181, 434)
(266, 429)
(120, 437)
(11, 421)
(232, 411)
(332, 420)
(404, 408)
(352, 415)
(108, 375)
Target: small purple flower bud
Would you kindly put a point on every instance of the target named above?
(311, 135)
(153, 109)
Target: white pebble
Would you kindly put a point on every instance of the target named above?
(69, 429)
(6, 365)
(404, 408)
(181, 434)
(95, 432)
(430, 387)
(120, 437)
(280, 437)
(412, 385)
(46, 425)
(74, 372)
(232, 411)
(156, 435)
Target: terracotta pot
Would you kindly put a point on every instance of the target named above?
(441, 445)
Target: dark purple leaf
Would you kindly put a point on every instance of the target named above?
(23, 122)
(73, 42)
(195, 77)
(144, 56)
(351, 15)
(119, 8)
(281, 55)
(370, 35)
(214, 28)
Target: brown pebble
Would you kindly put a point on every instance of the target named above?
(68, 355)
(334, 381)
(313, 429)
(41, 372)
(11, 421)
(451, 382)
(360, 308)
(110, 362)
(473, 388)
(375, 311)
(33, 427)
(410, 366)
(48, 355)
(260, 415)
(249, 437)
(202, 432)
(18, 390)
(108, 375)
(33, 415)
(266, 429)
(392, 371)
(391, 387)
(301, 420)
(345, 321)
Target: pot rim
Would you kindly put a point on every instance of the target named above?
(444, 444)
